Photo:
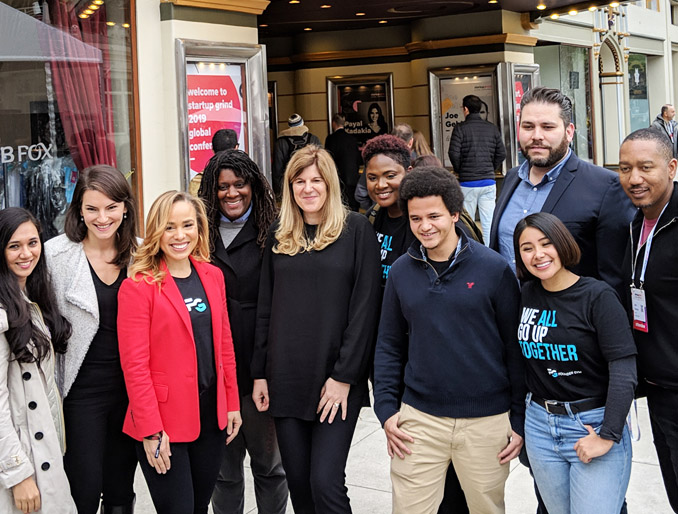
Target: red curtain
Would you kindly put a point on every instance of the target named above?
(82, 83)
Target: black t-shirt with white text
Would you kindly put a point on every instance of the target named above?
(394, 237)
(568, 337)
(193, 292)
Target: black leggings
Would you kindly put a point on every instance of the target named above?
(314, 457)
(99, 457)
(187, 487)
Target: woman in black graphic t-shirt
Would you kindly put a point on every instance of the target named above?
(580, 372)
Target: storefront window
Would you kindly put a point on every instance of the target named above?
(638, 101)
(65, 100)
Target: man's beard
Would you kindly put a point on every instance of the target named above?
(555, 155)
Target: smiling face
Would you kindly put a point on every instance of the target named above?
(101, 215)
(23, 251)
(383, 176)
(310, 193)
(181, 234)
(646, 176)
(374, 114)
(543, 137)
(234, 194)
(433, 226)
(540, 255)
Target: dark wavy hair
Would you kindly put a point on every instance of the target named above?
(391, 146)
(431, 181)
(38, 289)
(547, 95)
(110, 182)
(554, 229)
(263, 204)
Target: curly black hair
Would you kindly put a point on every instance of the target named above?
(432, 181)
(263, 206)
(390, 146)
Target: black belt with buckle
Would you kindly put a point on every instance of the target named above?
(555, 407)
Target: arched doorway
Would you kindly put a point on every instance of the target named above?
(611, 76)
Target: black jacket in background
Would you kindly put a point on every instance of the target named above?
(241, 266)
(476, 149)
(658, 348)
(344, 150)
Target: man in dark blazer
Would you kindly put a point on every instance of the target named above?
(587, 198)
(344, 150)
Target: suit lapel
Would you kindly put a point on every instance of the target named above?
(81, 292)
(563, 181)
(246, 234)
(508, 187)
(171, 292)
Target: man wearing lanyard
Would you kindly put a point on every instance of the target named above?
(647, 168)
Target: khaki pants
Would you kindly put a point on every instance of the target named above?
(471, 444)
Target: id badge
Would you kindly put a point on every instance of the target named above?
(639, 309)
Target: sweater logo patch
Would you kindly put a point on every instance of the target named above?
(470, 284)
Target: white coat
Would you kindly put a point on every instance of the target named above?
(31, 428)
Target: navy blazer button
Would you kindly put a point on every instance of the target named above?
(45, 466)
(38, 435)
(26, 376)
(32, 405)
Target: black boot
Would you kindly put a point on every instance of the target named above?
(118, 509)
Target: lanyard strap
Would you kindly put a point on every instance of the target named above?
(646, 257)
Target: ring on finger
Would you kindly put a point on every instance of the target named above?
(336, 405)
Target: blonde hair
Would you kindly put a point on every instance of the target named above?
(420, 145)
(290, 235)
(146, 265)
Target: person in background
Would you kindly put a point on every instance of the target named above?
(240, 209)
(289, 141)
(316, 318)
(177, 356)
(420, 145)
(344, 150)
(667, 126)
(476, 152)
(31, 330)
(87, 264)
(580, 373)
(647, 170)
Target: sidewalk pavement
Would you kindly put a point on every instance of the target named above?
(369, 486)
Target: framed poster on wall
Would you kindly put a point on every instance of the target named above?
(221, 86)
(365, 100)
(448, 87)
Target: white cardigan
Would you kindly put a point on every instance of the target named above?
(77, 300)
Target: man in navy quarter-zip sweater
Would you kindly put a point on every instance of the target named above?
(449, 321)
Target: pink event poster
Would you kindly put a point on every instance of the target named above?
(214, 103)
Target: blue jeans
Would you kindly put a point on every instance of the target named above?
(567, 485)
(484, 198)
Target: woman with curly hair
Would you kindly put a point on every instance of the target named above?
(31, 330)
(177, 357)
(316, 317)
(240, 210)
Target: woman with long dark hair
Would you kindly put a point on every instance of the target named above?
(31, 330)
(177, 355)
(316, 317)
(376, 121)
(581, 373)
(240, 209)
(88, 263)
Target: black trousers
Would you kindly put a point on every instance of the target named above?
(187, 487)
(663, 405)
(314, 456)
(100, 459)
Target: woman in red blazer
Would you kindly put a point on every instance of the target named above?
(177, 356)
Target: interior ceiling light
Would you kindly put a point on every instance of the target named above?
(88, 11)
(325, 6)
(360, 14)
(383, 21)
(110, 23)
(263, 25)
(493, 2)
(554, 16)
(295, 1)
(572, 12)
(93, 7)
(98, 2)
(541, 7)
(593, 8)
(308, 29)
(83, 16)
(614, 4)
(126, 25)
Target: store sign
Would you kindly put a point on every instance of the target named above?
(214, 103)
(25, 153)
